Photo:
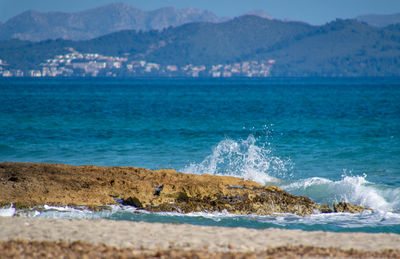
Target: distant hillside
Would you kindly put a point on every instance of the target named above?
(37, 26)
(380, 20)
(339, 48)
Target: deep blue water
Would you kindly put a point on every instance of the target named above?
(329, 139)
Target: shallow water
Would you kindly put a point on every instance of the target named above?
(328, 139)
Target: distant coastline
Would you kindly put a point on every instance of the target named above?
(247, 46)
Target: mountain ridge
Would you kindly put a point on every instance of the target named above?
(84, 25)
(380, 20)
(339, 48)
(37, 26)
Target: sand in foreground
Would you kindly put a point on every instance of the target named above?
(36, 249)
(150, 236)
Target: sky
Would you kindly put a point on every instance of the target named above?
(311, 11)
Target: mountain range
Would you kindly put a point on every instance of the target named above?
(92, 23)
(338, 48)
(380, 20)
(89, 24)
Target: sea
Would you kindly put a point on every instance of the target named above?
(330, 139)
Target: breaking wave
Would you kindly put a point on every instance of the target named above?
(248, 158)
(352, 189)
(253, 159)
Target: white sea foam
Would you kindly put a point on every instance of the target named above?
(7, 212)
(352, 189)
(74, 213)
(343, 220)
(253, 159)
(216, 215)
(244, 158)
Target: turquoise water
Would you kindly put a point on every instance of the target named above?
(328, 139)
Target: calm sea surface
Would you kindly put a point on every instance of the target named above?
(328, 139)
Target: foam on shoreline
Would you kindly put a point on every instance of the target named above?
(336, 222)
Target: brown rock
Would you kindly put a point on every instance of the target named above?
(349, 208)
(161, 190)
(324, 208)
(133, 201)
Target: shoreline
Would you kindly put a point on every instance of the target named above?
(162, 236)
(34, 184)
(145, 239)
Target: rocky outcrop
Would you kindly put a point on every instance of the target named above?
(349, 208)
(324, 208)
(161, 190)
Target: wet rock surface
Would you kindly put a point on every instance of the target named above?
(324, 208)
(161, 190)
(349, 208)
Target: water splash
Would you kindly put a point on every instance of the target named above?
(249, 158)
(253, 159)
(352, 189)
(7, 211)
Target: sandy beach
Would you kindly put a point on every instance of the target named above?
(145, 238)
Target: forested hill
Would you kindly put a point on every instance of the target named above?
(339, 48)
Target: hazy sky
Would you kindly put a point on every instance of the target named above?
(311, 11)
